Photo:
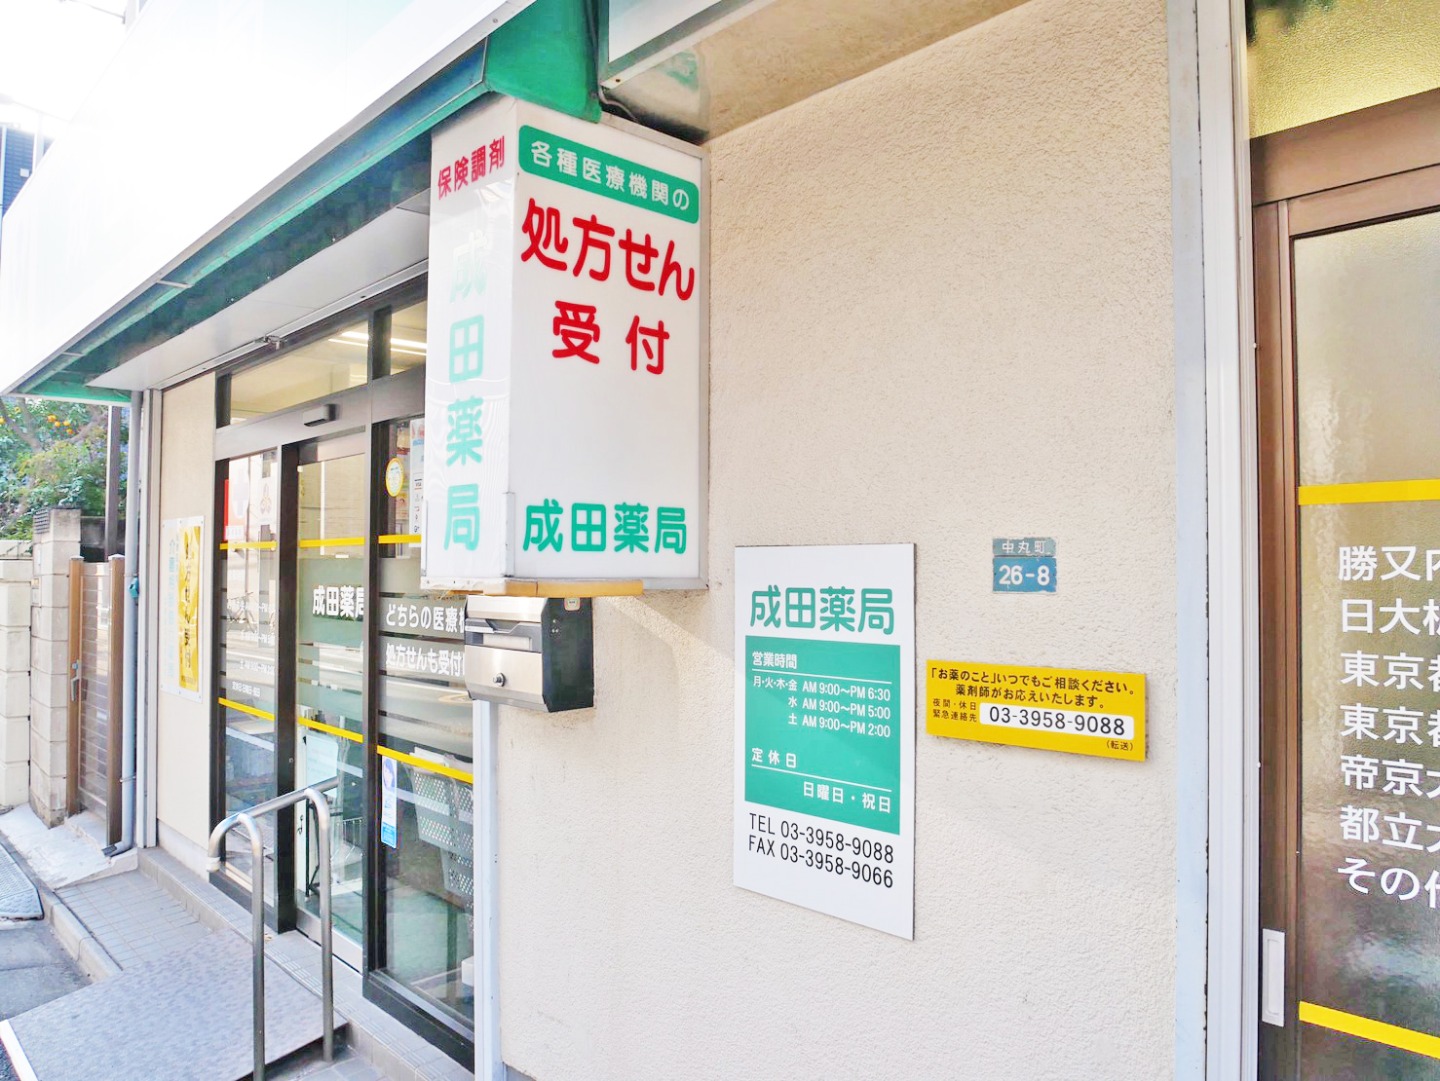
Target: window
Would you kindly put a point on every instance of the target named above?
(334, 363)
(407, 338)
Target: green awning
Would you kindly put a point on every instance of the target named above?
(544, 55)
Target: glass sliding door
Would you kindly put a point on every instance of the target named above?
(427, 817)
(1367, 324)
(330, 582)
(248, 604)
(1348, 329)
(331, 663)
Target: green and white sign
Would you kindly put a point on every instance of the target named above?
(825, 729)
(564, 397)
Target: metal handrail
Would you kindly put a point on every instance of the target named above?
(315, 801)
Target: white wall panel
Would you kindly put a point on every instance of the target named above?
(941, 312)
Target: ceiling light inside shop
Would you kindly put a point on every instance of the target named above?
(404, 346)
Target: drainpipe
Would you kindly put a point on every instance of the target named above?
(112, 481)
(489, 1066)
(131, 633)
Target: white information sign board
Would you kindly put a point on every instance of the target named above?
(825, 730)
(564, 397)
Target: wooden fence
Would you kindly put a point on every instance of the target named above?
(97, 605)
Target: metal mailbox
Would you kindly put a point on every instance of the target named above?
(535, 652)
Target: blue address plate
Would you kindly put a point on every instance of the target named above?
(1024, 574)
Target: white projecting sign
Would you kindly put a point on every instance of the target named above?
(563, 397)
(825, 730)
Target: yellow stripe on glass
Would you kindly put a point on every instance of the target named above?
(426, 764)
(1420, 1043)
(1378, 491)
(260, 713)
(332, 542)
(325, 542)
(330, 729)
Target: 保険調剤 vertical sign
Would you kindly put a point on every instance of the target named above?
(825, 729)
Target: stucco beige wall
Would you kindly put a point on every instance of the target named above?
(187, 484)
(941, 313)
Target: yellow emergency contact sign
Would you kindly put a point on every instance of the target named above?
(1051, 709)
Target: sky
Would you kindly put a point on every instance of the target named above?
(51, 52)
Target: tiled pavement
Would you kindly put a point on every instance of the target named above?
(135, 918)
(348, 1066)
(185, 1015)
(132, 917)
(124, 920)
(135, 909)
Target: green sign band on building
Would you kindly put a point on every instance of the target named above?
(568, 162)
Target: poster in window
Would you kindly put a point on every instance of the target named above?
(181, 603)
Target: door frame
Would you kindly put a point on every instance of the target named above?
(1361, 168)
(357, 411)
(362, 411)
(324, 448)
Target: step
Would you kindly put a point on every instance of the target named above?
(395, 1050)
(186, 1016)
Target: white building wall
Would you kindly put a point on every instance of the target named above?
(941, 313)
(182, 732)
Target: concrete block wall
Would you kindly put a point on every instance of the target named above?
(54, 548)
(15, 574)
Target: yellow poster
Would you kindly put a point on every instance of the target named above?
(181, 604)
(188, 607)
(1051, 709)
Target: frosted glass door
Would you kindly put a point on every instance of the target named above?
(1367, 423)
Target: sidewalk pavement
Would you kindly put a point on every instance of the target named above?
(34, 969)
(133, 919)
(118, 920)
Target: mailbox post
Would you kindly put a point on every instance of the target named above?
(534, 652)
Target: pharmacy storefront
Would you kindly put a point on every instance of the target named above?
(549, 447)
(776, 542)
